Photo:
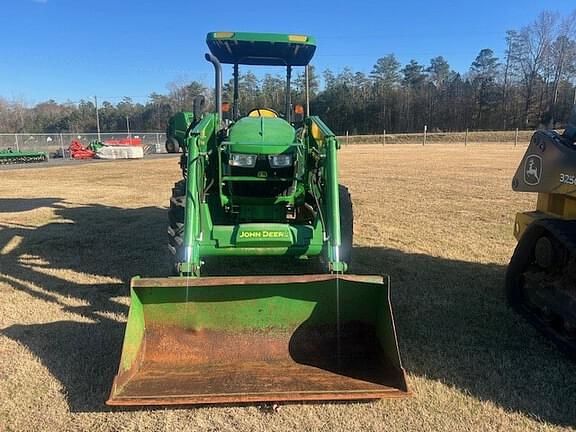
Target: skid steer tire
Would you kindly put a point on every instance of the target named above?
(176, 224)
(346, 224)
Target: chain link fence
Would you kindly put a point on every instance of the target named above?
(153, 142)
(57, 144)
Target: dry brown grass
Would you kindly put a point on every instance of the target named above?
(438, 219)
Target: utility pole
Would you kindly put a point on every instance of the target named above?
(128, 126)
(97, 118)
(505, 87)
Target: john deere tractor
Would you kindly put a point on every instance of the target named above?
(259, 184)
(177, 128)
(180, 125)
(541, 277)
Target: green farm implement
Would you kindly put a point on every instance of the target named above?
(10, 156)
(258, 184)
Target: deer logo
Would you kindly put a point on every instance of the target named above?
(533, 170)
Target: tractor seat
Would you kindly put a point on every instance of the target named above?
(262, 112)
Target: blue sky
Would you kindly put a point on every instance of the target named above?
(74, 49)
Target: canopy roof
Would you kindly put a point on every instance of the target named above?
(268, 49)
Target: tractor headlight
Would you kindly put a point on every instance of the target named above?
(280, 160)
(242, 160)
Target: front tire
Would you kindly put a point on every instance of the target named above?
(176, 224)
(346, 224)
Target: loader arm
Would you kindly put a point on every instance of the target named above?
(324, 145)
(201, 140)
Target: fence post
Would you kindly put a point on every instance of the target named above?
(384, 137)
(425, 130)
(16, 138)
(516, 138)
(157, 143)
(466, 139)
(347, 138)
(62, 146)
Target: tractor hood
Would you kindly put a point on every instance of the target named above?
(261, 135)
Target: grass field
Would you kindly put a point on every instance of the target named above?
(438, 219)
(474, 137)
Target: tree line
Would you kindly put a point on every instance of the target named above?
(534, 82)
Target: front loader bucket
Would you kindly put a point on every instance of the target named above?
(258, 339)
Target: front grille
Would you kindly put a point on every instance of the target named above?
(268, 189)
(257, 189)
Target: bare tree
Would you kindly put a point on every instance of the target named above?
(532, 46)
(563, 51)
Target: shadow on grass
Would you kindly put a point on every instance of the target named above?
(453, 324)
(96, 241)
(14, 205)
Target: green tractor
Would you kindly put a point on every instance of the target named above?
(262, 184)
(180, 125)
(176, 130)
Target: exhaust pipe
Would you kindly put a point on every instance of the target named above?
(217, 84)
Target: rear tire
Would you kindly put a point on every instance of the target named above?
(172, 145)
(176, 224)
